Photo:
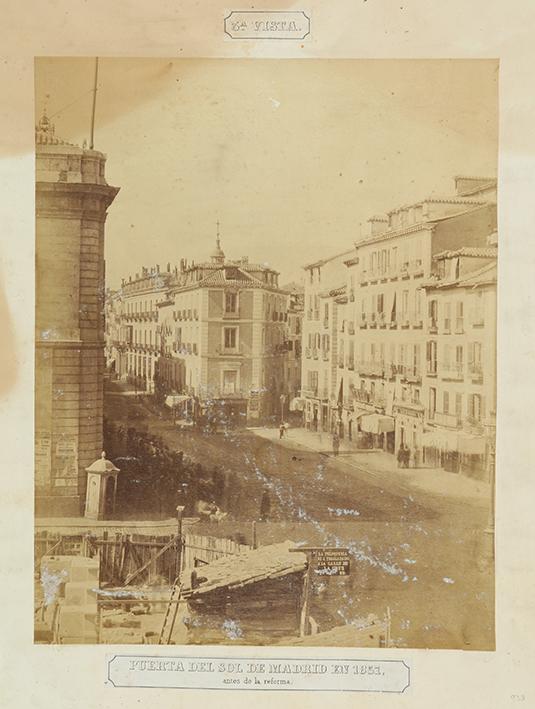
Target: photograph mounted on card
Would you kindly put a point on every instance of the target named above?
(265, 350)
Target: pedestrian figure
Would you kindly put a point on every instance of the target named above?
(336, 443)
(416, 457)
(265, 506)
(400, 456)
(282, 429)
(406, 457)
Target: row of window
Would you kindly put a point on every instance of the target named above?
(452, 412)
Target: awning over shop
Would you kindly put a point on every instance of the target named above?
(459, 441)
(441, 439)
(376, 423)
(297, 404)
(471, 445)
(176, 399)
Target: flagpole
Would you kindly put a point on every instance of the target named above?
(92, 139)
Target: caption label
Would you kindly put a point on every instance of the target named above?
(258, 674)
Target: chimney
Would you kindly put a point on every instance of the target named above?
(376, 225)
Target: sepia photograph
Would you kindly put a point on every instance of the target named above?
(265, 352)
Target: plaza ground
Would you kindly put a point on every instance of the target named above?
(418, 539)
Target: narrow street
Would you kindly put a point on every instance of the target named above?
(414, 551)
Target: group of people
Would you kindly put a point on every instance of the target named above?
(407, 458)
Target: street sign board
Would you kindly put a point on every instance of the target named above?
(331, 562)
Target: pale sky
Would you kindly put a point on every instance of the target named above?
(289, 155)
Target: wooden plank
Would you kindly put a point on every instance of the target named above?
(135, 573)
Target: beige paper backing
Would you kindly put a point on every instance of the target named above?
(72, 677)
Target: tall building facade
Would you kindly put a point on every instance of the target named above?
(217, 339)
(459, 387)
(133, 339)
(375, 367)
(292, 380)
(324, 284)
(385, 329)
(72, 199)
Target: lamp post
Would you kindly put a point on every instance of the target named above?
(179, 512)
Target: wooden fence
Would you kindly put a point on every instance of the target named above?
(137, 559)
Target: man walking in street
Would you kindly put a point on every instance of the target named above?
(336, 443)
(282, 429)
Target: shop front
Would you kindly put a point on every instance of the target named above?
(379, 427)
(409, 425)
(455, 451)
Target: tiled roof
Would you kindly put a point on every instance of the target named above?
(338, 291)
(477, 251)
(323, 261)
(272, 561)
(241, 278)
(487, 274)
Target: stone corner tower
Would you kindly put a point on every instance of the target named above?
(72, 198)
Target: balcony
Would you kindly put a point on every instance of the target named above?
(310, 392)
(363, 278)
(363, 324)
(325, 355)
(447, 326)
(411, 374)
(230, 314)
(475, 371)
(381, 319)
(459, 326)
(366, 397)
(452, 370)
(315, 353)
(350, 328)
(432, 325)
(350, 363)
(373, 320)
(362, 396)
(405, 270)
(416, 268)
(326, 323)
(371, 368)
(308, 352)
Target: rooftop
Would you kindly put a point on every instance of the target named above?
(229, 572)
(474, 251)
(323, 261)
(486, 275)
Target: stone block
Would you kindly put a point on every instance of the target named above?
(81, 593)
(77, 621)
(85, 569)
(57, 566)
